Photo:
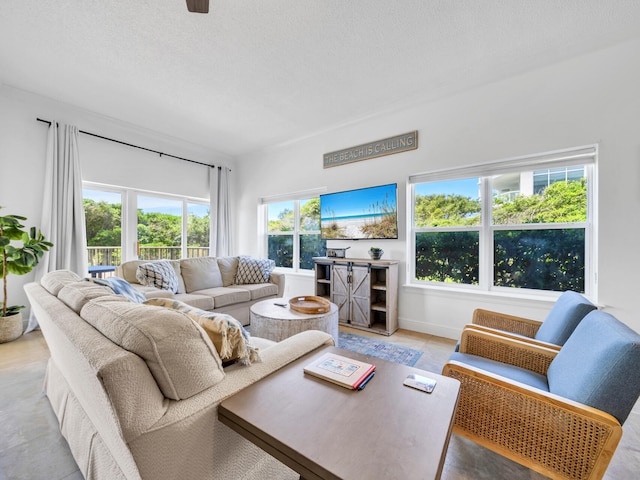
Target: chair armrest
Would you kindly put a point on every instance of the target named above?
(279, 280)
(508, 323)
(519, 353)
(553, 435)
(514, 336)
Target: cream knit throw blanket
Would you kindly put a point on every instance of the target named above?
(231, 340)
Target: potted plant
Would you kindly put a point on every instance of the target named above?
(375, 253)
(17, 259)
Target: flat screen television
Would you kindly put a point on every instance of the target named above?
(365, 213)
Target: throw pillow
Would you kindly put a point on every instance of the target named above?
(254, 270)
(121, 287)
(227, 334)
(158, 274)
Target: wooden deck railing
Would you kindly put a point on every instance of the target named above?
(113, 255)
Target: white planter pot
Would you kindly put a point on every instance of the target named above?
(10, 327)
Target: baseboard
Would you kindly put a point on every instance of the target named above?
(430, 328)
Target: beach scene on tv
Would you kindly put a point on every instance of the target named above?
(358, 214)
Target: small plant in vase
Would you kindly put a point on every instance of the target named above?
(375, 253)
(19, 260)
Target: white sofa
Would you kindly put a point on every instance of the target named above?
(209, 283)
(136, 388)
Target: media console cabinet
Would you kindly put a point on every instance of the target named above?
(365, 291)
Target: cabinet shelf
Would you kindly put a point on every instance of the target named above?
(379, 307)
(366, 291)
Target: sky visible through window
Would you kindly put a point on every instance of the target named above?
(467, 187)
(149, 204)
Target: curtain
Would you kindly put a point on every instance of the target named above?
(220, 232)
(62, 207)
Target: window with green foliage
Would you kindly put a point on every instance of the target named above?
(293, 233)
(524, 223)
(163, 227)
(103, 219)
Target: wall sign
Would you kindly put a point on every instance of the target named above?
(367, 151)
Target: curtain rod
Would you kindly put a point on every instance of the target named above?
(134, 146)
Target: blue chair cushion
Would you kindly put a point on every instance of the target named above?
(599, 365)
(563, 318)
(517, 374)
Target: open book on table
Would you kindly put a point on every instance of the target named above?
(340, 370)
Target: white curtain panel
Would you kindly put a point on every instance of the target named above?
(62, 207)
(220, 232)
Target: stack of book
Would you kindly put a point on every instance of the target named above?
(342, 371)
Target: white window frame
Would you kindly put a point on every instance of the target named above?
(263, 227)
(585, 155)
(129, 215)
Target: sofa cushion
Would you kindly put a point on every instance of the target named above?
(153, 292)
(179, 354)
(200, 273)
(158, 274)
(231, 340)
(260, 290)
(75, 295)
(53, 282)
(223, 296)
(253, 270)
(121, 287)
(205, 302)
(228, 268)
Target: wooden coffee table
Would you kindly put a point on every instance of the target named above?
(274, 322)
(324, 431)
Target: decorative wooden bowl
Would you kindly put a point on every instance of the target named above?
(310, 304)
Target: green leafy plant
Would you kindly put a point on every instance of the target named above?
(18, 259)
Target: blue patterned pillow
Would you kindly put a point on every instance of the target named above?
(159, 274)
(121, 287)
(254, 270)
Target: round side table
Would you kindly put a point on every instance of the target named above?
(276, 323)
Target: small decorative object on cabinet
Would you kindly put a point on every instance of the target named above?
(375, 253)
(365, 291)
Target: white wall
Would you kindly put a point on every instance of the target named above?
(589, 99)
(23, 147)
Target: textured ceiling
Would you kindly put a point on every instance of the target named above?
(253, 74)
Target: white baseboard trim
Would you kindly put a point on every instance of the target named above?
(430, 328)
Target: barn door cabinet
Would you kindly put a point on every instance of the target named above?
(365, 291)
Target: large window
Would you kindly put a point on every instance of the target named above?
(293, 232)
(124, 224)
(525, 223)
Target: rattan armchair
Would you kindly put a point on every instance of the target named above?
(556, 412)
(567, 312)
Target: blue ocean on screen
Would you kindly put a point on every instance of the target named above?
(364, 216)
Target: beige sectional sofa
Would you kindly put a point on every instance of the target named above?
(136, 387)
(210, 283)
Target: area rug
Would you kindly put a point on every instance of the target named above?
(378, 348)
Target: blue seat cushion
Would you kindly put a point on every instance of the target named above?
(517, 374)
(599, 365)
(563, 318)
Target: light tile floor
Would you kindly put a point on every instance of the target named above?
(31, 447)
